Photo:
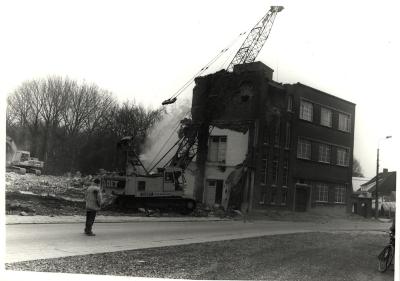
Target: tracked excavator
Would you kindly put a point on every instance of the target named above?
(20, 161)
(135, 187)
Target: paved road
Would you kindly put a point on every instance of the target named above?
(40, 241)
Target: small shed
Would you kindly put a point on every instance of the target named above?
(361, 204)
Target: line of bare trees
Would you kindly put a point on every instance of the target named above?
(74, 126)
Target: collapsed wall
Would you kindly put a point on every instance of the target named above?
(235, 101)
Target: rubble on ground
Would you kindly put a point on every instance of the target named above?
(73, 187)
(30, 194)
(203, 210)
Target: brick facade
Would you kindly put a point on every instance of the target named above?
(273, 115)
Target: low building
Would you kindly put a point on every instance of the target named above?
(386, 185)
(358, 181)
(386, 192)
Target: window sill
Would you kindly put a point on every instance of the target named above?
(301, 158)
(309, 121)
(326, 126)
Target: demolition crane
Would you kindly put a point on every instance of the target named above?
(165, 188)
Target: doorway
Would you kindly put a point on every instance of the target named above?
(301, 199)
(214, 191)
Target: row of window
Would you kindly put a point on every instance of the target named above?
(277, 134)
(274, 196)
(322, 193)
(275, 169)
(217, 149)
(307, 111)
(324, 153)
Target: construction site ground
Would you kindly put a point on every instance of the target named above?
(58, 199)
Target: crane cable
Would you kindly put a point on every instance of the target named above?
(190, 81)
(165, 143)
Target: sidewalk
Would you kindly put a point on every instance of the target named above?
(16, 219)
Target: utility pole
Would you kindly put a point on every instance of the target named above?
(377, 179)
(376, 184)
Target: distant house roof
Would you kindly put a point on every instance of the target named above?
(386, 181)
(358, 181)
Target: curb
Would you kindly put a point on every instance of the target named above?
(101, 219)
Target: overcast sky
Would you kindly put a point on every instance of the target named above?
(146, 50)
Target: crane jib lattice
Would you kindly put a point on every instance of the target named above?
(256, 39)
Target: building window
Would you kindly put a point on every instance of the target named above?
(287, 138)
(285, 175)
(262, 198)
(322, 192)
(273, 196)
(326, 117)
(306, 110)
(284, 195)
(264, 167)
(340, 192)
(304, 149)
(277, 131)
(344, 122)
(324, 153)
(266, 135)
(342, 157)
(275, 169)
(290, 104)
(217, 149)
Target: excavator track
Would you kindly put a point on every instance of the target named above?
(178, 204)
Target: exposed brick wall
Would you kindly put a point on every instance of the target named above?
(251, 98)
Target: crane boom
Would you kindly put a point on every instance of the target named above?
(256, 38)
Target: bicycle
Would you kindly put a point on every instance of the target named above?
(385, 258)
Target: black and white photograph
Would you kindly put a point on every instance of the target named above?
(199, 140)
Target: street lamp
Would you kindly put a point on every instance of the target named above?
(376, 179)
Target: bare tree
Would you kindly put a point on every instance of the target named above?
(55, 93)
(357, 169)
(74, 126)
(134, 120)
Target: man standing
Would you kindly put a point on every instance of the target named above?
(93, 204)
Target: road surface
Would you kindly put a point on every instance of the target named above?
(42, 241)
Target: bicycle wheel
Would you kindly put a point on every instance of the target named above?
(385, 258)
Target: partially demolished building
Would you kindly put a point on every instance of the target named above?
(263, 144)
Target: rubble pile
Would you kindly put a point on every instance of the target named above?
(30, 194)
(45, 185)
(203, 210)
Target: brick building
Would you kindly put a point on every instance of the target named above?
(294, 144)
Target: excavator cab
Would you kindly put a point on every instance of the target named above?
(174, 179)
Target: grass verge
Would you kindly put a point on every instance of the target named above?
(303, 256)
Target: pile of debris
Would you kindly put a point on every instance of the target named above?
(45, 185)
(29, 194)
(203, 210)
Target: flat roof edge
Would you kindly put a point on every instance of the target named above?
(322, 92)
